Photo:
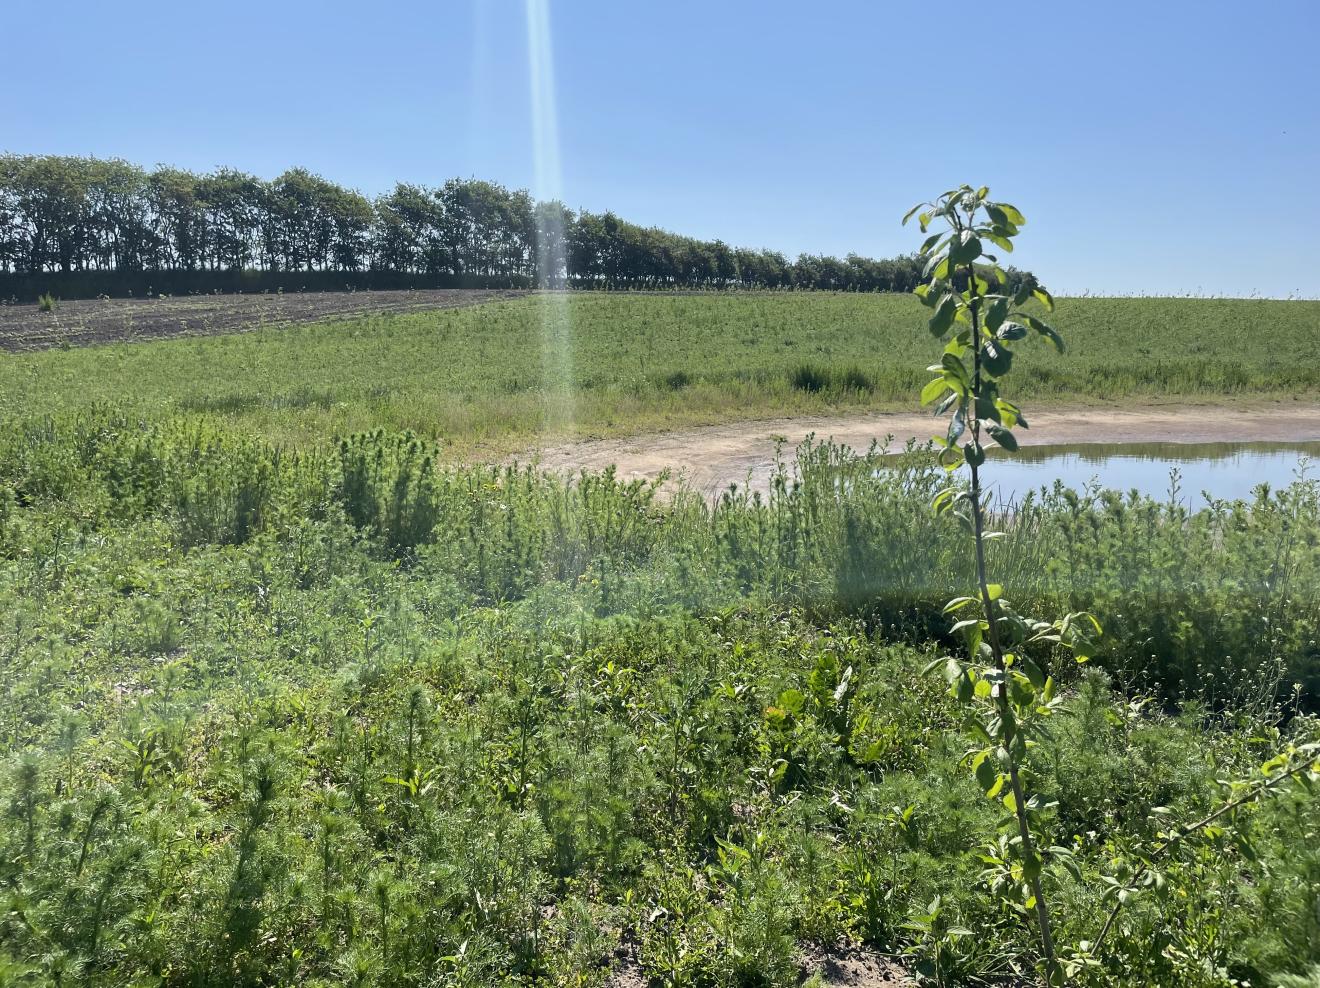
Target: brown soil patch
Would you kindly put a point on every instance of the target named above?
(83, 323)
(853, 967)
(710, 458)
(832, 967)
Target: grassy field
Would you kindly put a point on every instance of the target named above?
(337, 719)
(485, 379)
(346, 714)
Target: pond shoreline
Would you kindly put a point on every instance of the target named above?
(708, 459)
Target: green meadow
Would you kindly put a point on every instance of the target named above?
(494, 378)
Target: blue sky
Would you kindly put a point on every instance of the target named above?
(1158, 147)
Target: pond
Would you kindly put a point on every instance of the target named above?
(1222, 470)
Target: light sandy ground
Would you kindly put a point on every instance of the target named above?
(710, 458)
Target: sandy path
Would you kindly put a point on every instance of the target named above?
(710, 458)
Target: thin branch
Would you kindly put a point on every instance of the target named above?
(1184, 832)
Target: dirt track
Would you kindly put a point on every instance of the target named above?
(26, 327)
(711, 458)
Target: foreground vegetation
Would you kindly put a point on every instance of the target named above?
(329, 716)
(496, 378)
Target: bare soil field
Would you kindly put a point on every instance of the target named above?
(710, 458)
(84, 323)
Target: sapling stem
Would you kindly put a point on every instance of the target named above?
(990, 608)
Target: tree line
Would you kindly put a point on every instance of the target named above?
(69, 216)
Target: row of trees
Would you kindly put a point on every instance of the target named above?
(70, 215)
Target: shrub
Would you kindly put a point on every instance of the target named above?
(810, 378)
(856, 379)
(678, 380)
(387, 486)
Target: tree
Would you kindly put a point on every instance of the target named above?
(177, 220)
(74, 214)
(553, 221)
(233, 203)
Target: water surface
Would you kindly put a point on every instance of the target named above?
(1221, 470)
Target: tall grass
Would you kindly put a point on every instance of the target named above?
(1217, 605)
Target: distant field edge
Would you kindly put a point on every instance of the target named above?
(99, 322)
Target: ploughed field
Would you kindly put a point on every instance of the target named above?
(120, 320)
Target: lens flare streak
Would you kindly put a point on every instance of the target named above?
(552, 302)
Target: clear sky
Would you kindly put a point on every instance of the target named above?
(1162, 146)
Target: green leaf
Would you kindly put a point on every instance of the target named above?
(997, 215)
(933, 390)
(996, 359)
(955, 367)
(1009, 414)
(944, 315)
(1032, 671)
(1002, 436)
(966, 250)
(994, 590)
(958, 603)
(932, 666)
(931, 241)
(985, 774)
(956, 346)
(1011, 214)
(1031, 868)
(957, 425)
(1002, 242)
(973, 453)
(996, 314)
(1045, 330)
(1044, 297)
(1012, 331)
(911, 213)
(964, 689)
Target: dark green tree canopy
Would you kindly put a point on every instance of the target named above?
(64, 214)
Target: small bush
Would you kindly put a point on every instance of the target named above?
(810, 378)
(388, 487)
(46, 302)
(814, 379)
(856, 379)
(678, 380)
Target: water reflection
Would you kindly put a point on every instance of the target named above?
(1221, 470)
